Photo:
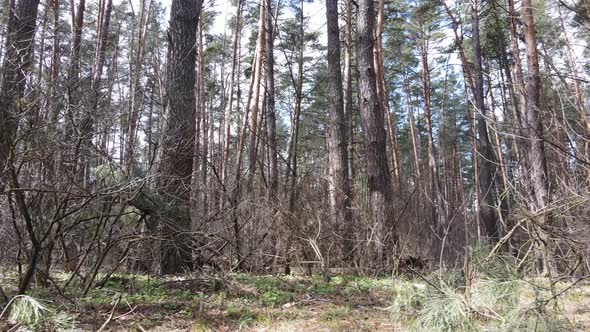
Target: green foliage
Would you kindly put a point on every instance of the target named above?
(37, 315)
(409, 299)
(324, 288)
(29, 311)
(242, 314)
(273, 291)
(522, 318)
(261, 283)
(274, 298)
(445, 310)
(497, 299)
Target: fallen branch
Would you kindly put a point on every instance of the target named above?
(106, 322)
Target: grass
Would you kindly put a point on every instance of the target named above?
(498, 300)
(36, 315)
(334, 314)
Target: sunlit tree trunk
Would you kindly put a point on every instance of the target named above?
(255, 94)
(234, 80)
(412, 124)
(348, 104)
(384, 97)
(433, 174)
(271, 121)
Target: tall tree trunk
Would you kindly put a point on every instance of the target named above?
(17, 62)
(337, 140)
(384, 97)
(90, 115)
(533, 132)
(380, 197)
(412, 124)
(235, 194)
(134, 110)
(234, 78)
(197, 190)
(204, 116)
(578, 93)
(73, 93)
(255, 94)
(487, 164)
(348, 105)
(271, 121)
(179, 133)
(433, 174)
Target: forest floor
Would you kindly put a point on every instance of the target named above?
(282, 303)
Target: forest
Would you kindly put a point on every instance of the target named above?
(294, 165)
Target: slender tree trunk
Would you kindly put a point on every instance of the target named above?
(412, 124)
(204, 116)
(533, 132)
(337, 140)
(255, 95)
(233, 80)
(134, 110)
(433, 172)
(73, 93)
(487, 169)
(91, 113)
(197, 190)
(271, 121)
(578, 93)
(348, 105)
(384, 97)
(235, 194)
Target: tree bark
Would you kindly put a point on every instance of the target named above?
(17, 61)
(533, 132)
(384, 98)
(380, 197)
(337, 140)
(271, 121)
(487, 164)
(255, 94)
(179, 133)
(233, 80)
(348, 104)
(135, 89)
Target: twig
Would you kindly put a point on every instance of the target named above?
(106, 322)
(15, 328)
(125, 314)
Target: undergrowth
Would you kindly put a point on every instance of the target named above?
(497, 297)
